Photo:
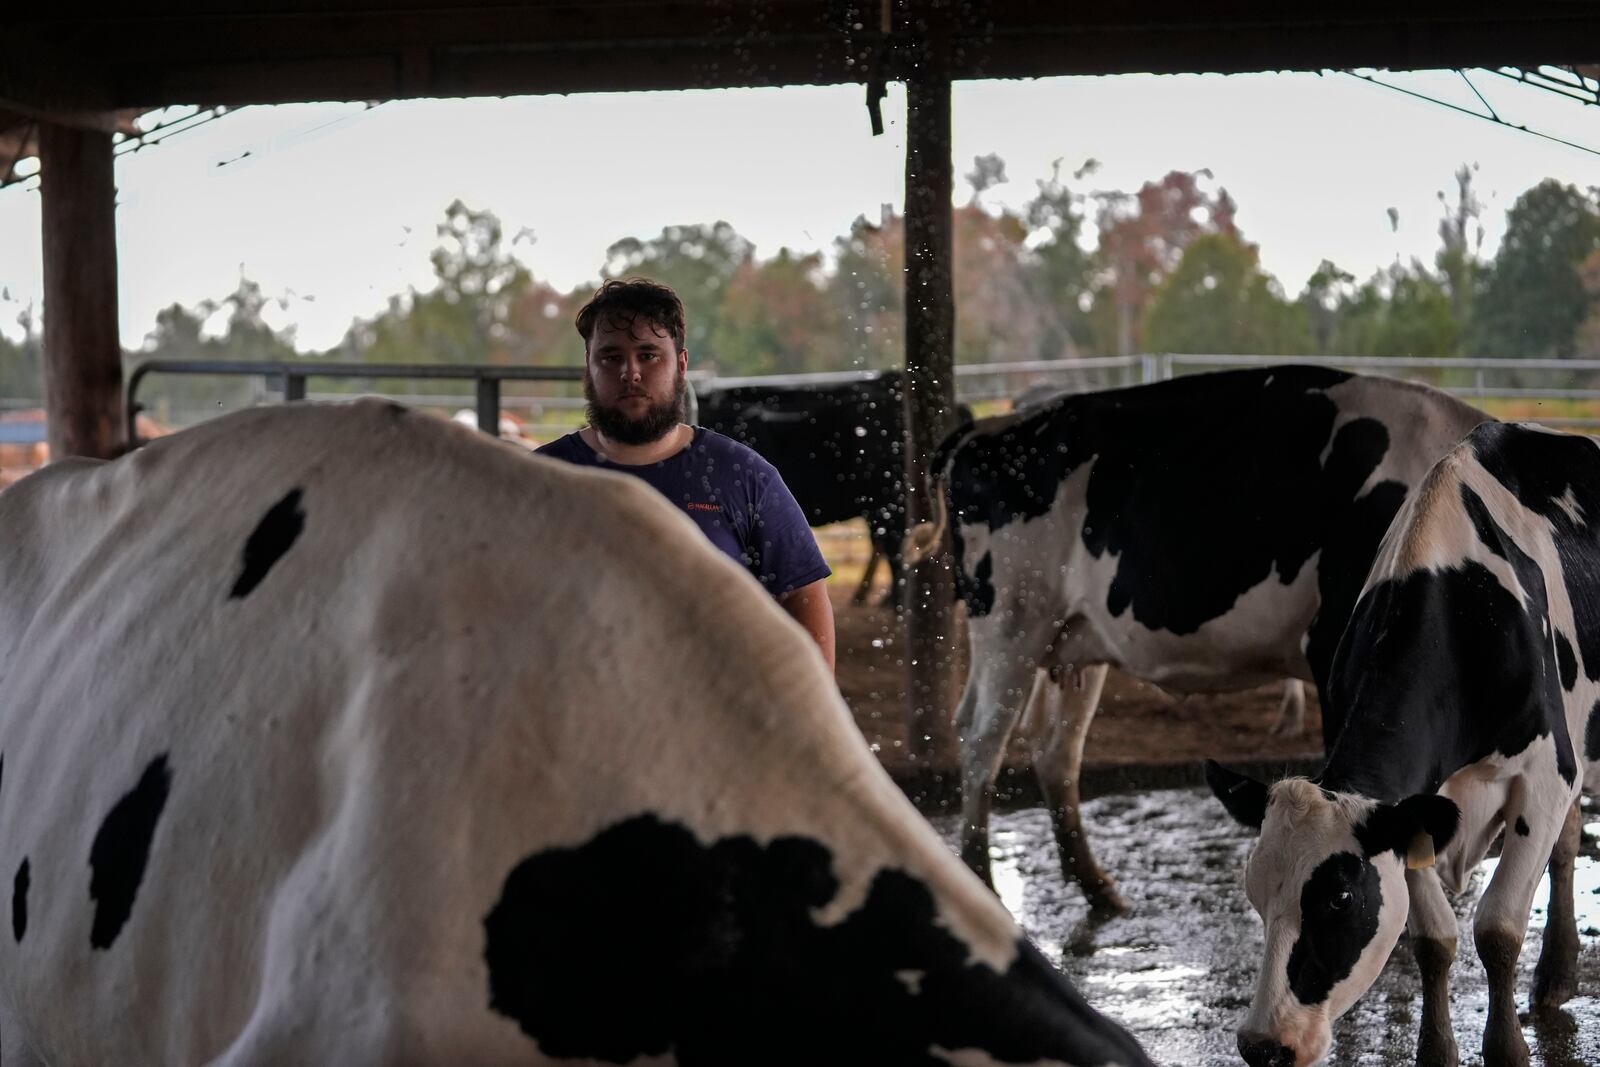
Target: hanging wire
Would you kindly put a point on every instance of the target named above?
(1486, 105)
(1491, 117)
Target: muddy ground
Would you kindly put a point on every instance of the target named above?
(1180, 970)
(1142, 737)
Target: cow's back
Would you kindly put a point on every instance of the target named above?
(1177, 504)
(346, 735)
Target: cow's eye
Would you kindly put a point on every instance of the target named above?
(1340, 900)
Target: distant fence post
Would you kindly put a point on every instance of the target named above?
(489, 406)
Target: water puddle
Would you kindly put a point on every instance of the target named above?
(1179, 971)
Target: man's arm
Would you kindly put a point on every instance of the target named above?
(809, 606)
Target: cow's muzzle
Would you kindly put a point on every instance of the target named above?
(1264, 1051)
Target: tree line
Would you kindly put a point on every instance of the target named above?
(1070, 273)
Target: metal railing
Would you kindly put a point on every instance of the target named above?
(975, 382)
(292, 377)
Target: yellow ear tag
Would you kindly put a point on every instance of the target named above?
(1420, 854)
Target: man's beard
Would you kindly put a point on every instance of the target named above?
(657, 421)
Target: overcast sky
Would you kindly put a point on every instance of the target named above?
(332, 207)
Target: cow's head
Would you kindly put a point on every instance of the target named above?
(1328, 877)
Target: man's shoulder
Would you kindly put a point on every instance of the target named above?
(720, 446)
(569, 447)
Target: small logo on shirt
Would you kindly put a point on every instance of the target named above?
(703, 507)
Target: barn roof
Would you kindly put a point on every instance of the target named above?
(72, 57)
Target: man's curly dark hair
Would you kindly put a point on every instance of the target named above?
(623, 301)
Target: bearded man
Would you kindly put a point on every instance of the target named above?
(635, 366)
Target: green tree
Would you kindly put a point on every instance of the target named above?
(778, 318)
(1533, 299)
(1001, 313)
(463, 318)
(1460, 238)
(179, 334)
(1062, 267)
(1400, 311)
(1218, 300)
(1142, 238)
(22, 362)
(699, 262)
(1327, 291)
(868, 291)
(539, 326)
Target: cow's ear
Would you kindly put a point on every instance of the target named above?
(1417, 828)
(1243, 796)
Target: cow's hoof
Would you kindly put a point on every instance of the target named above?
(1505, 1046)
(1107, 904)
(1553, 986)
(1437, 1048)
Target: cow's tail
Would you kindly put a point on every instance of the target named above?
(924, 539)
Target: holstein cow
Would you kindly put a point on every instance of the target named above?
(349, 735)
(839, 447)
(1207, 533)
(1468, 679)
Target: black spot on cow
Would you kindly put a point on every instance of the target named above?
(1339, 906)
(19, 901)
(1347, 554)
(644, 941)
(1202, 488)
(1557, 476)
(1591, 734)
(272, 537)
(1566, 661)
(121, 849)
(397, 410)
(976, 591)
(1521, 826)
(1445, 667)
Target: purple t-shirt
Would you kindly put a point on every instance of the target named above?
(732, 494)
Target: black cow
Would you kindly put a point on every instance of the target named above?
(1468, 680)
(1207, 533)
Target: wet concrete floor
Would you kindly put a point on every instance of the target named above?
(1179, 972)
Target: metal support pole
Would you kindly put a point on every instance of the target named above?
(83, 353)
(489, 406)
(930, 378)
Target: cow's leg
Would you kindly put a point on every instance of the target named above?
(1433, 928)
(997, 690)
(895, 595)
(859, 597)
(1291, 721)
(1069, 701)
(1555, 979)
(1501, 918)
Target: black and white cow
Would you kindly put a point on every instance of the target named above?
(1208, 533)
(839, 446)
(1468, 680)
(348, 735)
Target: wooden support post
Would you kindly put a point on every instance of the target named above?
(930, 376)
(82, 352)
